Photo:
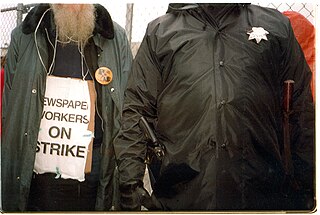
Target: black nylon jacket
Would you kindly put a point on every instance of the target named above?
(214, 98)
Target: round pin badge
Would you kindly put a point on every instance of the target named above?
(103, 75)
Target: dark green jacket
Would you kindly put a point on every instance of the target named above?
(23, 99)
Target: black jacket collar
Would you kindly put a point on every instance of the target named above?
(104, 24)
(175, 7)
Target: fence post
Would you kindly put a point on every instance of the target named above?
(20, 10)
(129, 15)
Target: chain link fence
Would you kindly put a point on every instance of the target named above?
(134, 17)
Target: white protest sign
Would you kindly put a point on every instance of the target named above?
(64, 137)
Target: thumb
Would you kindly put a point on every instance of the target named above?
(150, 202)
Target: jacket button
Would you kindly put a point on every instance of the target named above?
(222, 103)
(34, 91)
(18, 178)
(221, 63)
(223, 145)
(112, 90)
(26, 134)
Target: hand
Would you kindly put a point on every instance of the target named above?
(132, 197)
(149, 202)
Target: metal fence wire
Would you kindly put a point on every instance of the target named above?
(134, 17)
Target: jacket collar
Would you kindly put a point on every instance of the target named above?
(175, 7)
(103, 26)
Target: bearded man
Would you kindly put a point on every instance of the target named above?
(67, 67)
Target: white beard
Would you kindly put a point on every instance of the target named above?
(76, 24)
